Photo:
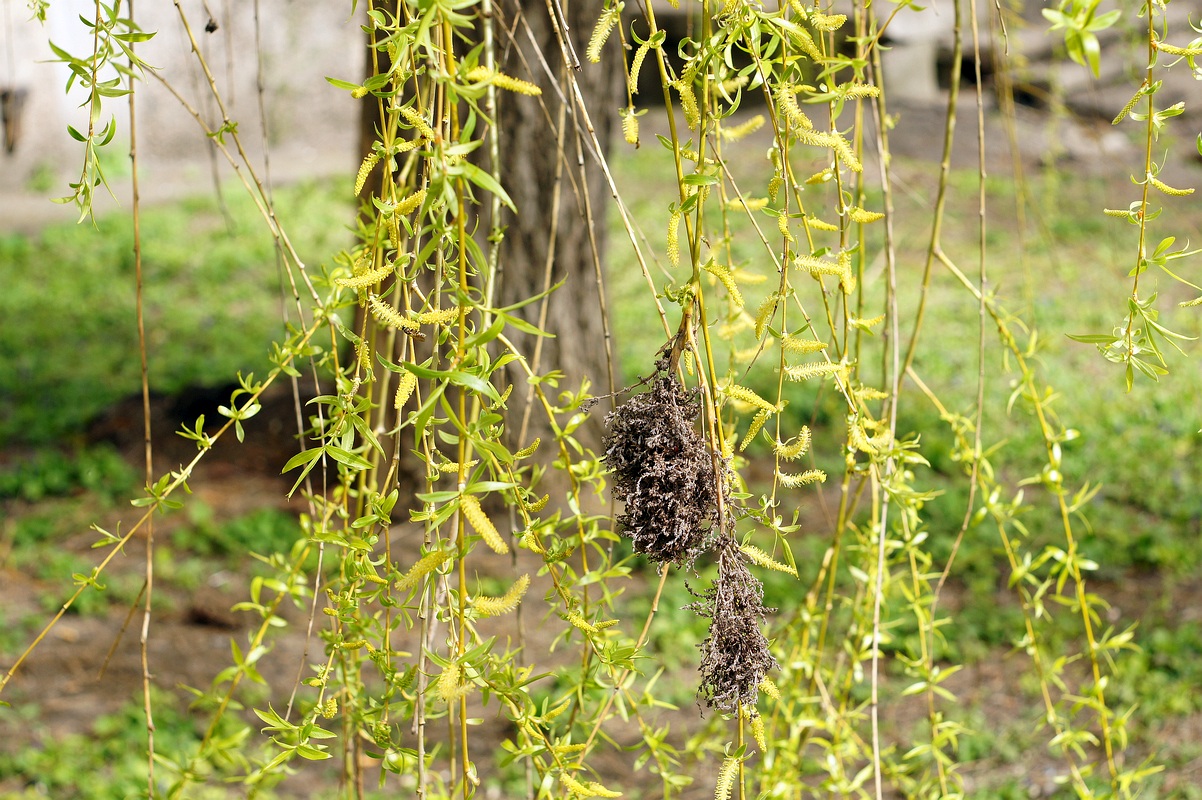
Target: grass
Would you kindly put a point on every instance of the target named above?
(212, 306)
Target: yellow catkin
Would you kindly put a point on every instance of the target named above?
(363, 354)
(793, 344)
(722, 273)
(1121, 213)
(743, 394)
(537, 506)
(496, 606)
(369, 163)
(782, 225)
(674, 238)
(630, 126)
(819, 225)
(757, 732)
(868, 394)
(1169, 190)
(410, 203)
(449, 686)
(530, 542)
(329, 709)
(805, 43)
(601, 31)
(1191, 303)
(760, 558)
(688, 103)
(859, 440)
(858, 90)
(787, 101)
(803, 479)
(481, 524)
(757, 423)
(832, 141)
(358, 93)
(868, 323)
(574, 786)
(439, 316)
(424, 566)
(453, 466)
(858, 214)
(847, 281)
(748, 203)
(581, 623)
(764, 314)
(557, 711)
(636, 64)
(768, 687)
(1174, 50)
(797, 448)
(404, 390)
(1127, 109)
(366, 279)
(736, 132)
(821, 176)
(817, 369)
(414, 118)
(597, 790)
(503, 81)
(827, 22)
(528, 450)
(387, 315)
(726, 778)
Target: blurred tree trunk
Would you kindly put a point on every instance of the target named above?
(536, 159)
(548, 169)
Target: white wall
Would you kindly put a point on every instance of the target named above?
(312, 126)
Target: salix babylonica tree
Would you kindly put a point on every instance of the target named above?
(408, 649)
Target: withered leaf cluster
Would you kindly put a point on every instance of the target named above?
(663, 472)
(735, 656)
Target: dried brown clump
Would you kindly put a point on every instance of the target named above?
(735, 656)
(663, 472)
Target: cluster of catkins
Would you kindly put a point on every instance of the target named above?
(664, 475)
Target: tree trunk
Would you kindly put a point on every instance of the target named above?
(553, 227)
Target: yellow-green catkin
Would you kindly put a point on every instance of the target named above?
(803, 479)
(503, 81)
(496, 606)
(605, 24)
(1169, 190)
(414, 118)
(359, 92)
(387, 315)
(723, 274)
(404, 390)
(817, 369)
(757, 424)
(794, 344)
(760, 558)
(786, 100)
(745, 395)
(757, 732)
(528, 450)
(736, 132)
(365, 279)
(769, 687)
(795, 449)
(688, 103)
(424, 566)
(827, 22)
(636, 64)
(449, 686)
(408, 204)
(369, 163)
(481, 524)
(764, 314)
(726, 778)
(674, 238)
(630, 126)
(858, 214)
